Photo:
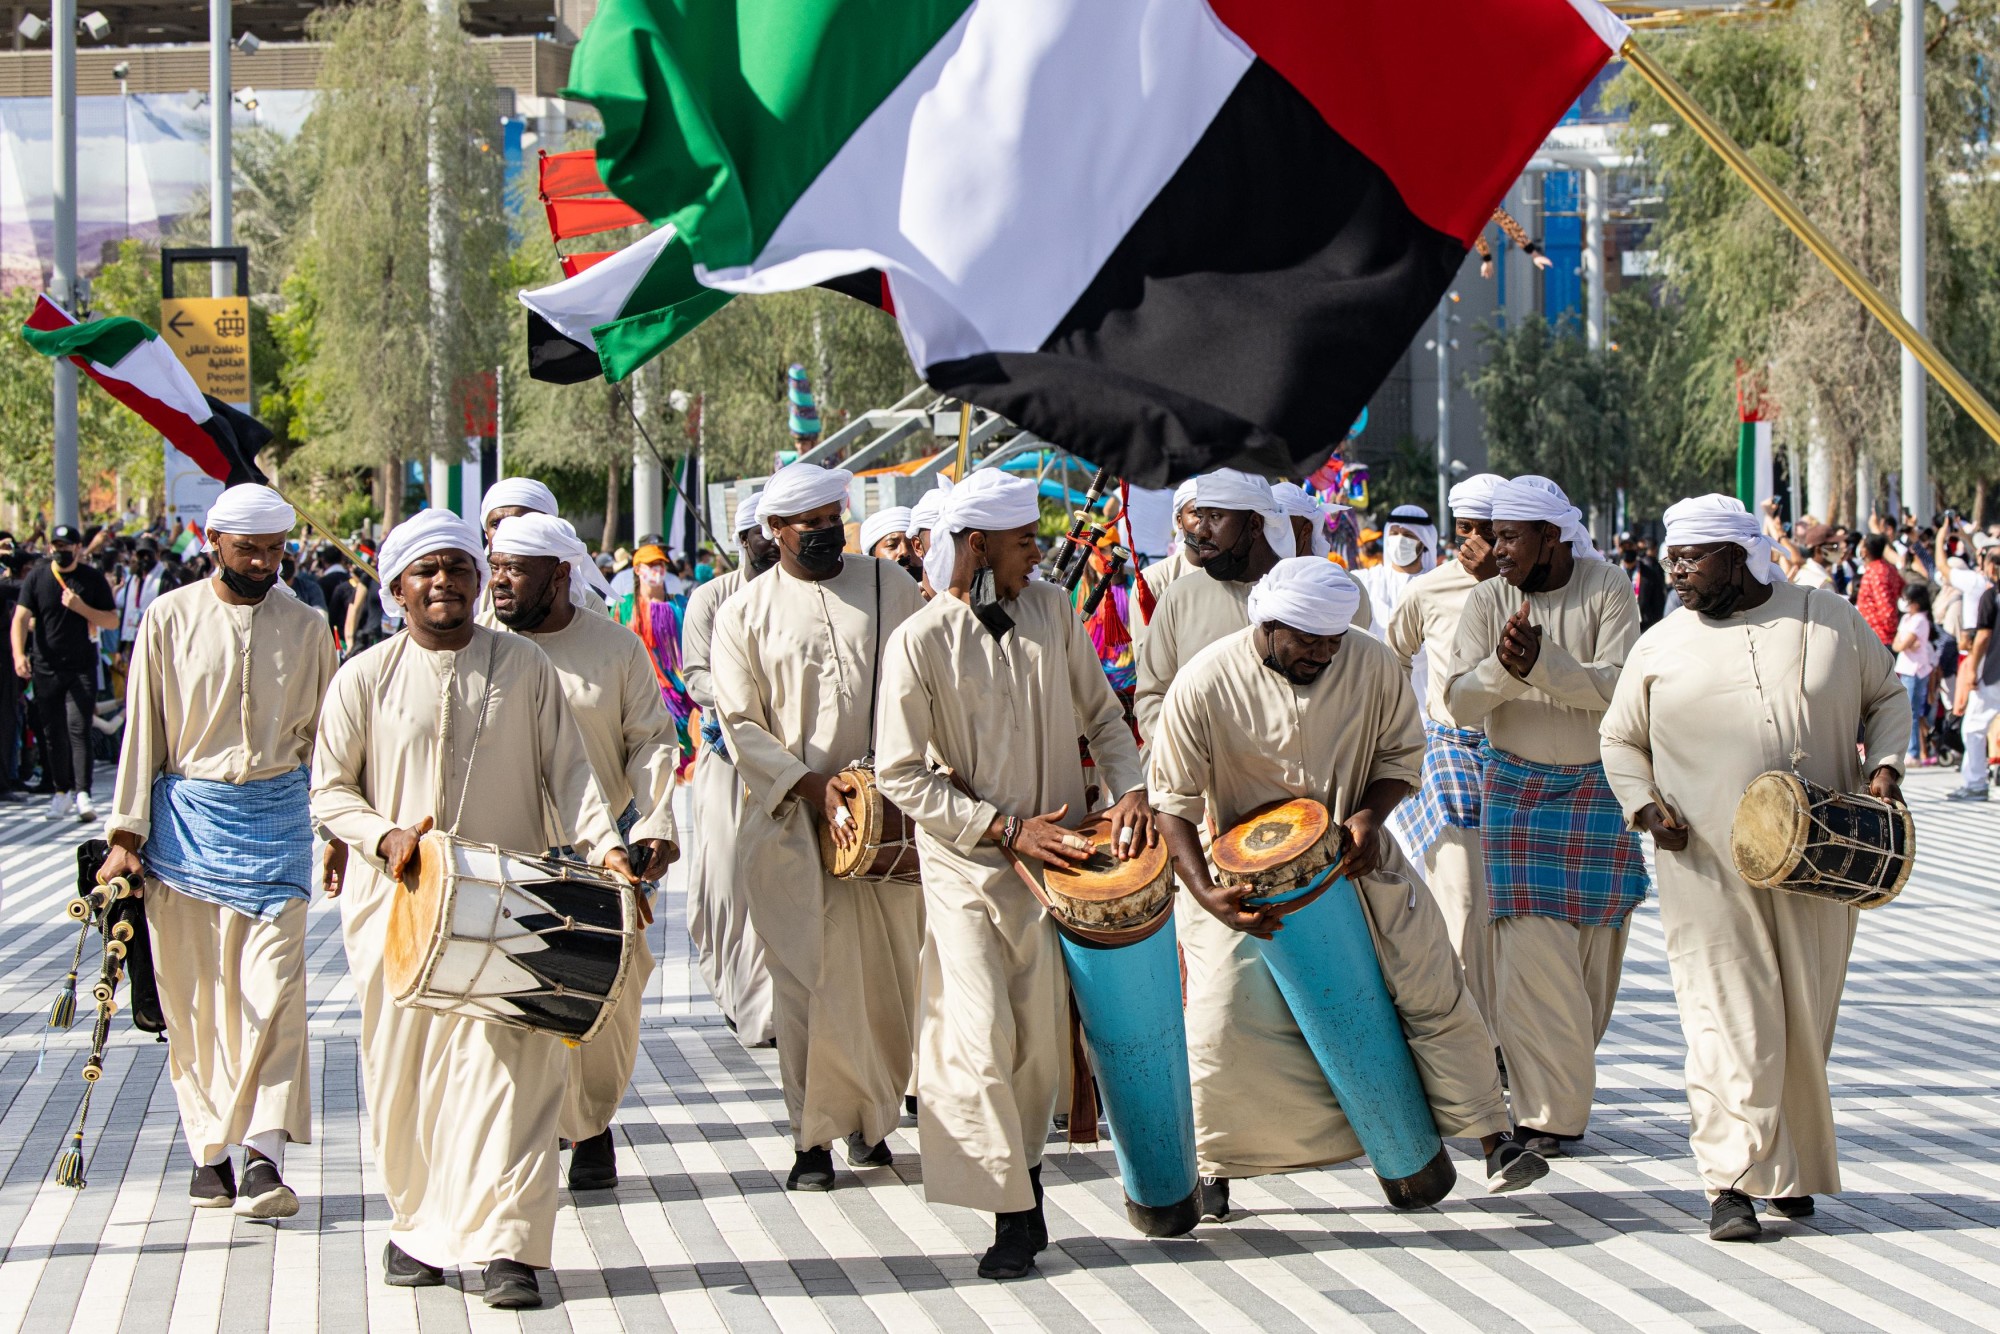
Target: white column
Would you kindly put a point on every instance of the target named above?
(471, 484)
(1594, 317)
(1864, 492)
(437, 482)
(444, 15)
(62, 38)
(648, 498)
(1819, 473)
(1764, 472)
(1916, 491)
(1444, 409)
(221, 184)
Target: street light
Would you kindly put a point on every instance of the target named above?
(94, 26)
(31, 27)
(248, 43)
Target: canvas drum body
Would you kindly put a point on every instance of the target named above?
(1795, 835)
(511, 938)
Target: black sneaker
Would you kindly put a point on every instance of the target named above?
(511, 1286)
(400, 1269)
(860, 1153)
(1040, 1235)
(1012, 1253)
(213, 1187)
(264, 1193)
(1511, 1166)
(812, 1169)
(1215, 1198)
(593, 1163)
(1733, 1218)
(910, 1105)
(1790, 1206)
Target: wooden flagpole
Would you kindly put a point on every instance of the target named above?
(1761, 185)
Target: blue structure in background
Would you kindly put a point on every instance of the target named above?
(1562, 238)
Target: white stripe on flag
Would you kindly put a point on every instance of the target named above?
(1069, 113)
(154, 370)
(574, 306)
(1607, 25)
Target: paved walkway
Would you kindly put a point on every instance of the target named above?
(702, 1236)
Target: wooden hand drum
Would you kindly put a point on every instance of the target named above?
(1108, 902)
(1278, 847)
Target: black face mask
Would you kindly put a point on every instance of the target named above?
(243, 586)
(1231, 566)
(820, 548)
(985, 603)
(65, 559)
(912, 565)
(1538, 577)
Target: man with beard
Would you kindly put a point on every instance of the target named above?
(885, 537)
(540, 572)
(1442, 825)
(1294, 706)
(64, 603)
(727, 950)
(1234, 536)
(210, 817)
(1758, 674)
(995, 679)
(1536, 659)
(795, 659)
(454, 726)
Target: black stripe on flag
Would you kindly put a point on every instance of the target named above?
(554, 358)
(1246, 318)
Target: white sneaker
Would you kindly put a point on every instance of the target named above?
(85, 809)
(60, 807)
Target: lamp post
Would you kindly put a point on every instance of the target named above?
(62, 41)
(1916, 492)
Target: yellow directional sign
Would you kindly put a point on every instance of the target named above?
(211, 336)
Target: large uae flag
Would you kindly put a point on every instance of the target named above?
(1166, 234)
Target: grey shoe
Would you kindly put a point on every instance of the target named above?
(1512, 1166)
(860, 1153)
(1966, 794)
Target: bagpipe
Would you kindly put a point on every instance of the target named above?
(1086, 535)
(118, 916)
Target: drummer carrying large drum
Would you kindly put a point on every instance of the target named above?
(1758, 675)
(1296, 707)
(455, 727)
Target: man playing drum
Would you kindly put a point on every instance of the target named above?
(1442, 824)
(1755, 675)
(1235, 534)
(541, 572)
(727, 950)
(794, 660)
(453, 726)
(1294, 706)
(1535, 661)
(211, 810)
(995, 679)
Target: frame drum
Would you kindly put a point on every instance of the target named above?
(1795, 835)
(886, 848)
(511, 938)
(1103, 901)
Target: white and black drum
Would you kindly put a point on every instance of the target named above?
(885, 839)
(512, 938)
(1795, 835)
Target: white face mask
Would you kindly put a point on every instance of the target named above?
(1402, 550)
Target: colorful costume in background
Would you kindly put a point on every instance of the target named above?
(658, 626)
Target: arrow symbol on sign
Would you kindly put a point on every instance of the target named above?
(180, 318)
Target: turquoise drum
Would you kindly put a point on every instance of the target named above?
(1117, 927)
(1323, 960)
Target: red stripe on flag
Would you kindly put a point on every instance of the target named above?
(47, 316)
(575, 264)
(181, 431)
(566, 175)
(583, 217)
(1450, 98)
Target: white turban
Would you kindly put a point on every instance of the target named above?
(924, 516)
(800, 488)
(546, 535)
(1539, 500)
(509, 492)
(1701, 520)
(895, 519)
(1473, 497)
(1418, 520)
(990, 501)
(1183, 497)
(746, 513)
(1298, 503)
(1228, 489)
(248, 510)
(421, 534)
(1309, 593)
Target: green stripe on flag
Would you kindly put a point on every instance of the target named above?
(719, 113)
(105, 342)
(624, 345)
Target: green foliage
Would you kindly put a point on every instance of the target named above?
(1554, 408)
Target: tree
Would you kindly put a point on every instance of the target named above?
(1555, 408)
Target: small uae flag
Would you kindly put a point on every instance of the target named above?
(130, 363)
(1167, 234)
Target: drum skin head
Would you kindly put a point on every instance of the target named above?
(413, 918)
(1103, 878)
(1271, 836)
(1768, 834)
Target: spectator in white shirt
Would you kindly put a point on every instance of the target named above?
(1916, 660)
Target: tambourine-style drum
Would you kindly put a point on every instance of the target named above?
(1795, 835)
(886, 843)
(511, 938)
(1116, 923)
(1323, 960)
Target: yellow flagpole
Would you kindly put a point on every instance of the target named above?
(328, 534)
(1780, 203)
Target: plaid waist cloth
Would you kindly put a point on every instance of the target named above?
(1448, 791)
(1555, 843)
